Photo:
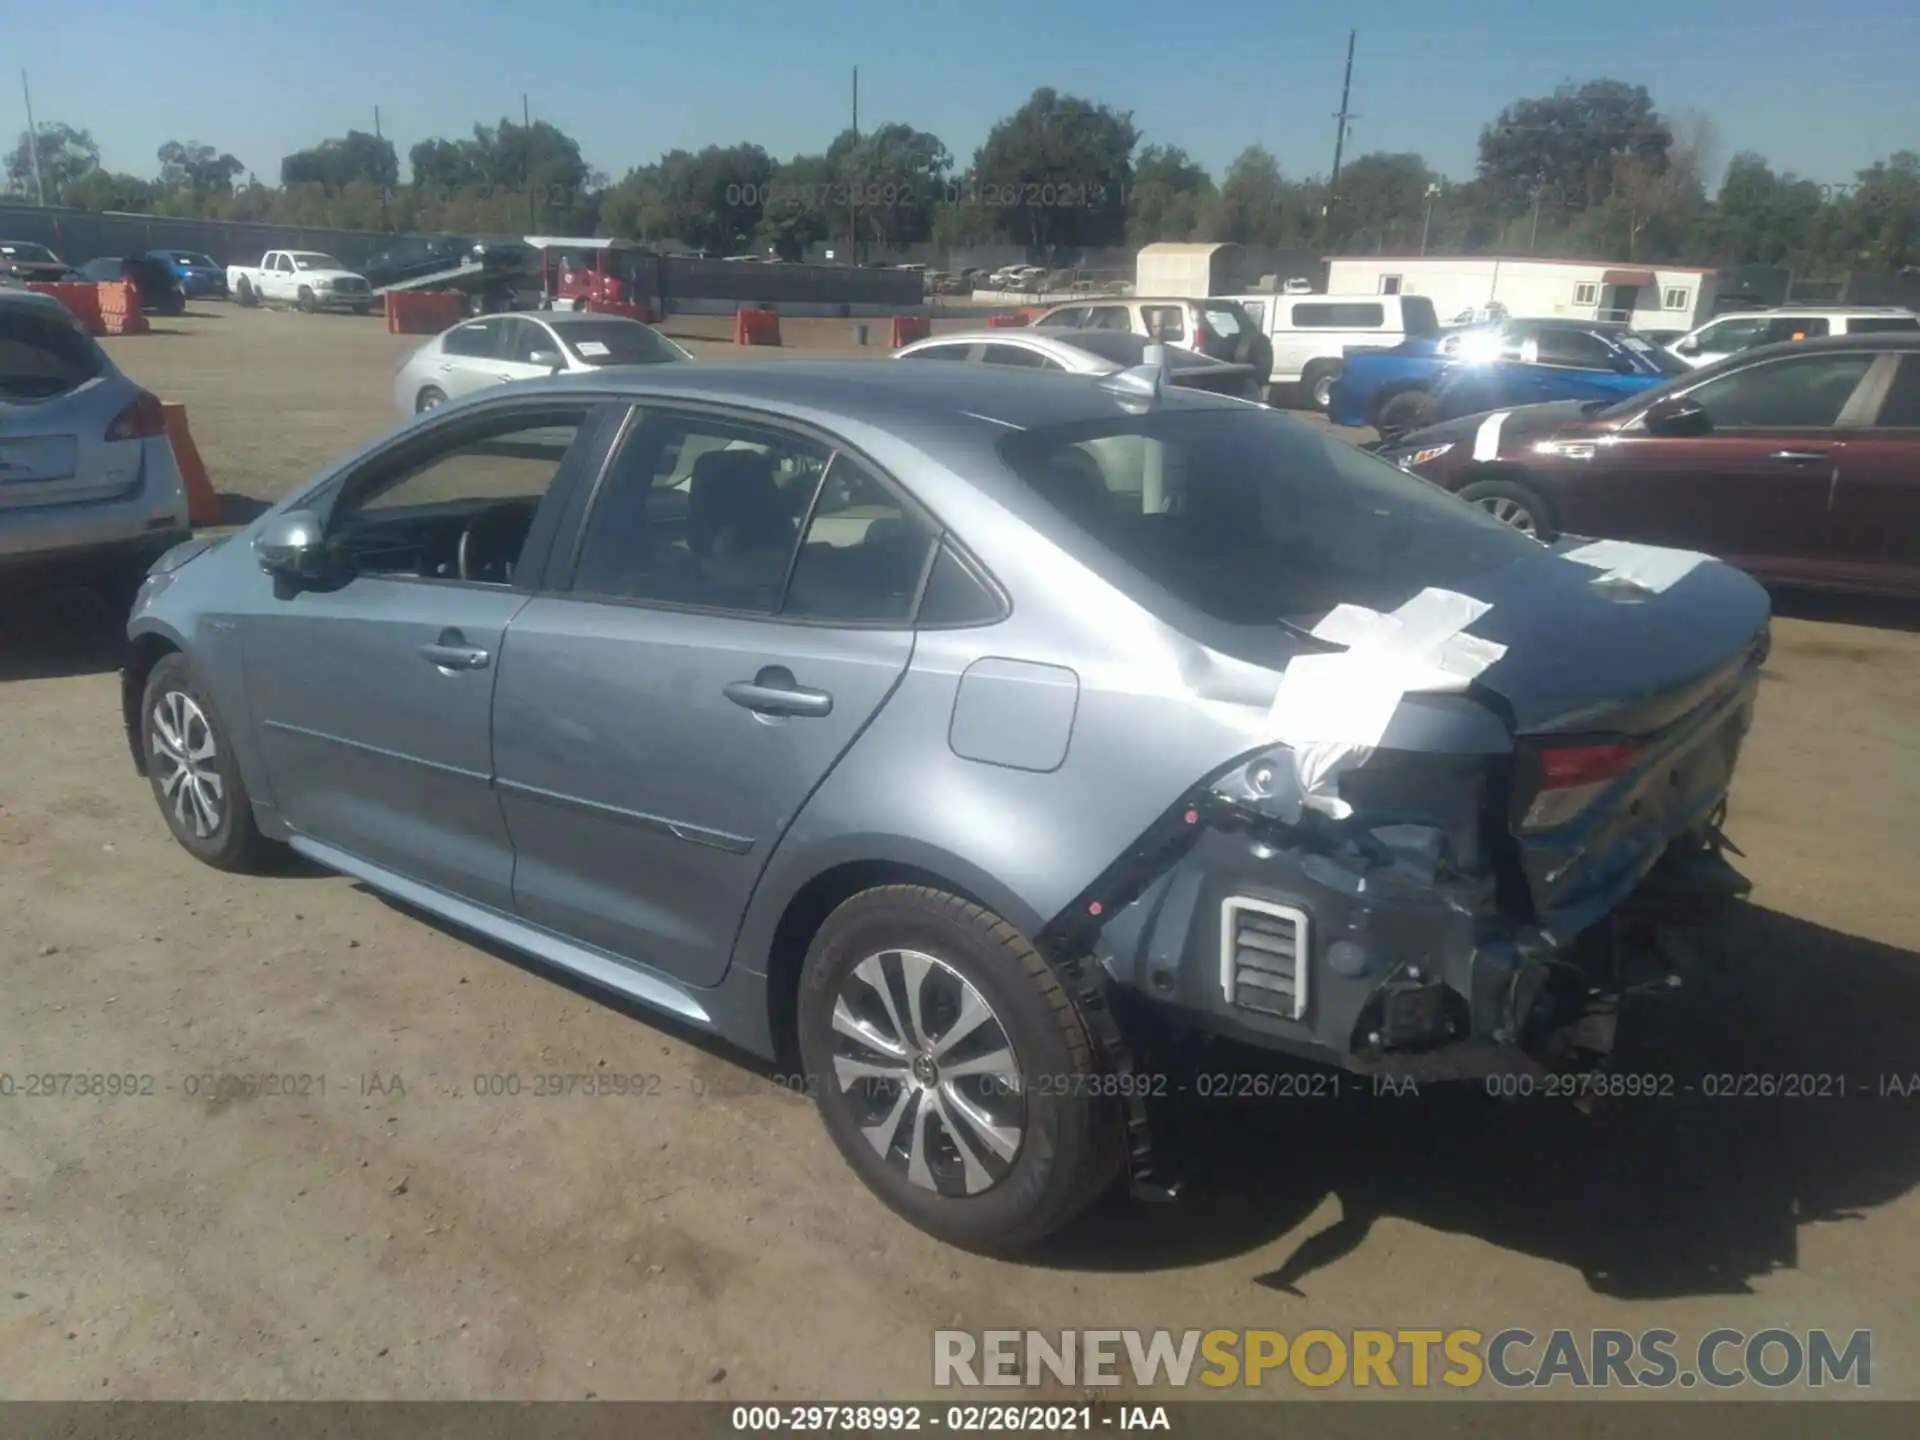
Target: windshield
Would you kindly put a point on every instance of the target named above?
(1253, 518)
(32, 254)
(619, 342)
(316, 262)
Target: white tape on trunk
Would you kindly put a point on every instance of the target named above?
(1332, 710)
(1486, 440)
(1653, 568)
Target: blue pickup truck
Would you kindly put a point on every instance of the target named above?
(1430, 378)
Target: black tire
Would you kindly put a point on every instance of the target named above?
(306, 301)
(234, 842)
(1068, 1150)
(1514, 503)
(1408, 410)
(429, 396)
(1316, 385)
(244, 293)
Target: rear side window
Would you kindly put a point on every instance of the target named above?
(1880, 324)
(1224, 320)
(1252, 518)
(475, 342)
(43, 355)
(1016, 355)
(1901, 409)
(1064, 319)
(1794, 327)
(1165, 322)
(1348, 315)
(939, 352)
(1573, 349)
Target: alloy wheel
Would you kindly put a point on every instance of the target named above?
(929, 1072)
(187, 759)
(1509, 511)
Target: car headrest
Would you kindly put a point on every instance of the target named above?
(728, 487)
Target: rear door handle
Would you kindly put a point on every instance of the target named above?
(1800, 457)
(774, 691)
(451, 652)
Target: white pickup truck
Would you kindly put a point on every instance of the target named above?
(306, 278)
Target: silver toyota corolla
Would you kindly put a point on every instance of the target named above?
(948, 725)
(480, 354)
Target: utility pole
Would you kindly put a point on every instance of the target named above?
(1342, 117)
(33, 143)
(526, 152)
(1539, 189)
(385, 222)
(853, 216)
(1426, 225)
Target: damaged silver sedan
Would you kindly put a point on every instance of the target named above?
(963, 735)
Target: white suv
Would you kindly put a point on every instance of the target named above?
(1310, 334)
(1730, 334)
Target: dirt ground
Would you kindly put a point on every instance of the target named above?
(388, 1229)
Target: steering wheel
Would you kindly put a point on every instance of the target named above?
(470, 559)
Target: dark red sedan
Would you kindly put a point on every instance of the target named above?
(1798, 462)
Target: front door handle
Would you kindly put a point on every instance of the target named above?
(1800, 457)
(452, 652)
(774, 691)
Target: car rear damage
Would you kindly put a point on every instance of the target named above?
(1479, 902)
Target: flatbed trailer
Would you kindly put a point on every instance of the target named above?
(488, 288)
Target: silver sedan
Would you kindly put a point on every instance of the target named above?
(1082, 352)
(478, 354)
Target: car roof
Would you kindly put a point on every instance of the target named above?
(564, 318)
(1873, 340)
(884, 396)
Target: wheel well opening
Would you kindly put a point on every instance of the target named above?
(808, 911)
(147, 651)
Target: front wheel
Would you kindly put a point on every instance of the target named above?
(194, 772)
(952, 1069)
(428, 398)
(1513, 504)
(306, 301)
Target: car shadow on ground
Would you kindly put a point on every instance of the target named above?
(61, 632)
(1699, 1190)
(1871, 611)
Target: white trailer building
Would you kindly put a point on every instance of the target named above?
(1648, 297)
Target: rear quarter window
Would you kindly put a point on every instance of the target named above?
(1348, 315)
(43, 355)
(1877, 324)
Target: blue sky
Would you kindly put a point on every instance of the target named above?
(1822, 91)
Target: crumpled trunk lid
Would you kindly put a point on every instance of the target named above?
(1594, 660)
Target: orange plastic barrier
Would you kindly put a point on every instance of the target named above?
(120, 310)
(1006, 322)
(909, 328)
(203, 506)
(423, 312)
(621, 307)
(756, 327)
(82, 300)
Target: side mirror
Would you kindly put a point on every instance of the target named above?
(1688, 346)
(1674, 418)
(292, 546)
(548, 360)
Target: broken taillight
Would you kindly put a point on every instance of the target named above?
(142, 420)
(1572, 776)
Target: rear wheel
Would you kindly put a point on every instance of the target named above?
(1408, 410)
(952, 1070)
(194, 773)
(1316, 384)
(244, 293)
(1515, 504)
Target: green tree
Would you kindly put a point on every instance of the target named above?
(1382, 202)
(1249, 208)
(893, 177)
(338, 162)
(104, 190)
(65, 154)
(196, 171)
(1058, 171)
(1566, 147)
(1170, 192)
(711, 199)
